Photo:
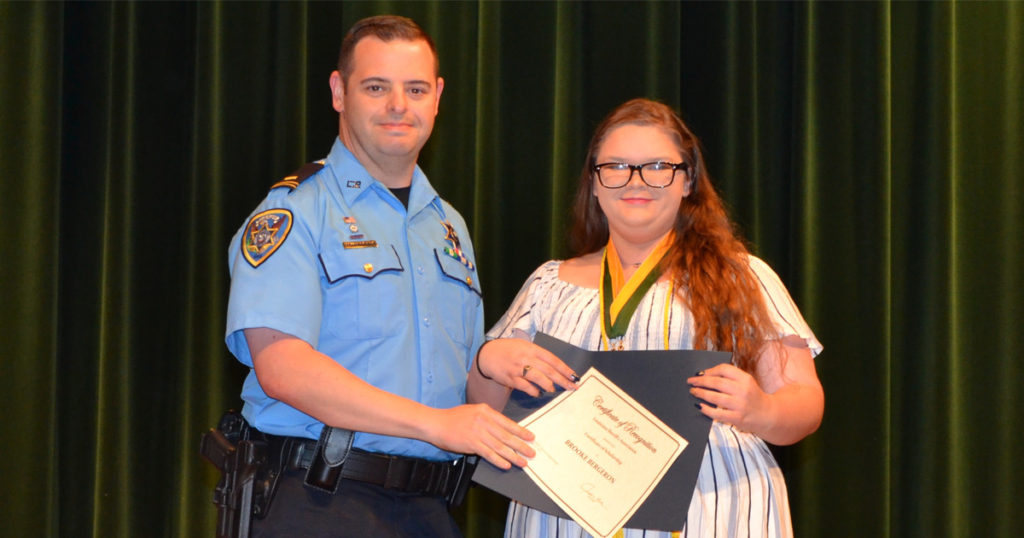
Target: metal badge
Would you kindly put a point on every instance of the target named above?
(454, 248)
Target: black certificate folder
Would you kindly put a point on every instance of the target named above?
(655, 379)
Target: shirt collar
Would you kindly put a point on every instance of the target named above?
(353, 181)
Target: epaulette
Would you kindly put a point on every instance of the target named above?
(292, 180)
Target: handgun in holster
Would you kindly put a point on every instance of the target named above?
(247, 480)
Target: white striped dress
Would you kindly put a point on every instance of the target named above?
(740, 491)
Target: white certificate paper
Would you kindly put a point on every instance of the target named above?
(599, 453)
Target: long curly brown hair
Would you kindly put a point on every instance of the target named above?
(708, 261)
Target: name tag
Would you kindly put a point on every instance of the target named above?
(359, 244)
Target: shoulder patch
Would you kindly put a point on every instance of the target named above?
(292, 180)
(265, 232)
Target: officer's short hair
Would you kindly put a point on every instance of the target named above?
(386, 28)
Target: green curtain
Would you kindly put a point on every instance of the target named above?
(870, 151)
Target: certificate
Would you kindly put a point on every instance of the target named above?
(657, 381)
(599, 453)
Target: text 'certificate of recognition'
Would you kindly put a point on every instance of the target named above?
(599, 453)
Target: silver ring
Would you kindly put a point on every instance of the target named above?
(526, 369)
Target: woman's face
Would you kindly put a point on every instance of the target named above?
(637, 212)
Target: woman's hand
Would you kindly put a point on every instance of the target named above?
(782, 403)
(522, 365)
(734, 396)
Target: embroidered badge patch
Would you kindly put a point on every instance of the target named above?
(454, 249)
(266, 232)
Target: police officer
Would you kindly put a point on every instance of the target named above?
(355, 300)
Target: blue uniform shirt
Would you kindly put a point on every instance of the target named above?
(390, 294)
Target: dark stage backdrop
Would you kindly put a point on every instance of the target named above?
(872, 153)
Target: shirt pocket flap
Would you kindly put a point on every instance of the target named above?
(456, 270)
(341, 263)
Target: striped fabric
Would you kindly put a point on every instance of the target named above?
(740, 491)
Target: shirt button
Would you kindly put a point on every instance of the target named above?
(419, 269)
(368, 268)
(426, 321)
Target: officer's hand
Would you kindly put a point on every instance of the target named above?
(478, 429)
(523, 365)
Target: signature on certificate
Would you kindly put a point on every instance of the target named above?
(588, 489)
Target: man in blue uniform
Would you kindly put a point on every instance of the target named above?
(355, 299)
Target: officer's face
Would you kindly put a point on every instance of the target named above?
(390, 101)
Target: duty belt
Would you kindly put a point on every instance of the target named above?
(409, 475)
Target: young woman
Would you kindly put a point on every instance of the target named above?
(650, 227)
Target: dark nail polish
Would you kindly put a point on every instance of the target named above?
(697, 405)
(575, 378)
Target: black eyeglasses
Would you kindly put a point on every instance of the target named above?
(658, 174)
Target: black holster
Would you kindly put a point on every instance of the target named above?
(463, 474)
(250, 472)
(332, 449)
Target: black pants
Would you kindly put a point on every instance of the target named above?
(357, 509)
